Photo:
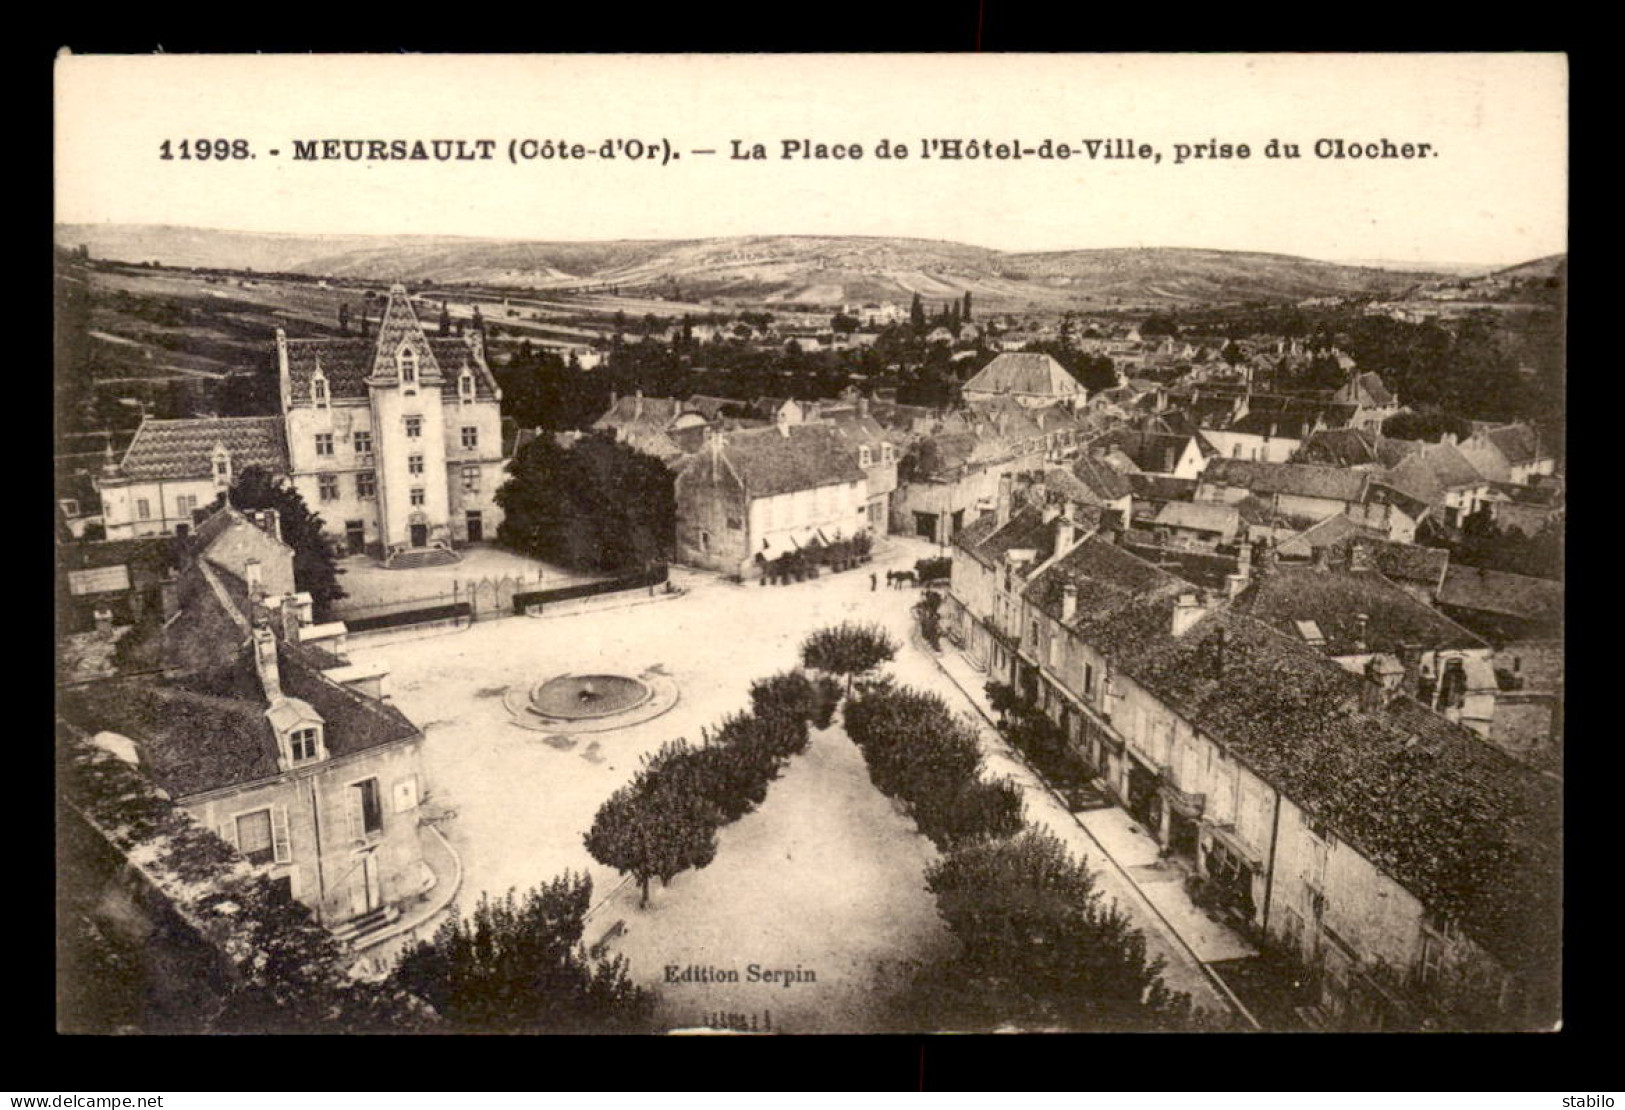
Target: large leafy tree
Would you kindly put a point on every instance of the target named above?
(315, 570)
(1040, 946)
(597, 505)
(653, 833)
(517, 965)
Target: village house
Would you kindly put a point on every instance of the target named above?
(747, 498)
(1173, 455)
(953, 470)
(1219, 734)
(264, 734)
(1373, 401)
(1309, 494)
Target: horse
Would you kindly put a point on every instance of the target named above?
(897, 578)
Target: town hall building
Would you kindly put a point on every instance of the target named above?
(396, 441)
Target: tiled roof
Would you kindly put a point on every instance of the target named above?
(1335, 599)
(1294, 479)
(1354, 447)
(1025, 530)
(1124, 603)
(771, 462)
(1161, 487)
(651, 413)
(1103, 482)
(174, 449)
(1151, 451)
(197, 735)
(1518, 442)
(1493, 591)
(1207, 569)
(1464, 827)
(1199, 516)
(1024, 372)
(1332, 530)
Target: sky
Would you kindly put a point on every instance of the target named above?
(1492, 190)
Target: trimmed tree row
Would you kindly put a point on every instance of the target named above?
(665, 821)
(1039, 946)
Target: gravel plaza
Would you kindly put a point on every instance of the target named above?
(826, 876)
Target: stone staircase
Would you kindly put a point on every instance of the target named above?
(357, 928)
(413, 557)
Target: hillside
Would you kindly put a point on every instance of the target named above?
(776, 268)
(1555, 265)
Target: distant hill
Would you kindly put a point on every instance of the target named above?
(773, 268)
(1553, 265)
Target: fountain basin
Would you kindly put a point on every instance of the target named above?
(588, 697)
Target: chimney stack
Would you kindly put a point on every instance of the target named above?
(265, 663)
(104, 622)
(1217, 658)
(1361, 621)
(290, 619)
(863, 405)
(1001, 512)
(1066, 530)
(1069, 601)
(1187, 611)
(637, 406)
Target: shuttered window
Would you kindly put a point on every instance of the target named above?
(254, 836)
(281, 847)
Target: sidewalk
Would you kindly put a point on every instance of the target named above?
(1174, 928)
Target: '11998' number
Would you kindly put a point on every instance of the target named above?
(204, 150)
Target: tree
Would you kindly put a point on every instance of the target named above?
(916, 315)
(650, 832)
(965, 315)
(344, 318)
(597, 505)
(1039, 944)
(848, 649)
(315, 571)
(518, 966)
(445, 318)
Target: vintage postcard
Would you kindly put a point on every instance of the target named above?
(809, 544)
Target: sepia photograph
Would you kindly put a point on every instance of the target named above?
(809, 544)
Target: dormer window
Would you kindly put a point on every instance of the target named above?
(465, 387)
(865, 457)
(318, 390)
(220, 465)
(302, 744)
(406, 360)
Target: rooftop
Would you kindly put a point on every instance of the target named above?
(176, 449)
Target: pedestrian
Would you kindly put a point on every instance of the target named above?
(872, 581)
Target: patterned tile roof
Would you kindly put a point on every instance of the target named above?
(176, 449)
